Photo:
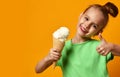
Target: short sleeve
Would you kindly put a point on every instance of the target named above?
(110, 56)
(59, 62)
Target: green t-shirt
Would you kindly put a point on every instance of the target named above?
(82, 60)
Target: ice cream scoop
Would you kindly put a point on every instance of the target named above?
(61, 34)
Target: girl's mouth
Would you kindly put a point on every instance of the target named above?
(84, 30)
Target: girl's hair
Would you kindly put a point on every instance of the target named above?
(108, 8)
(111, 9)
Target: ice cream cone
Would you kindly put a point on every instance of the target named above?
(57, 44)
(59, 37)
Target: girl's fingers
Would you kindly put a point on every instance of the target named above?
(54, 54)
(100, 49)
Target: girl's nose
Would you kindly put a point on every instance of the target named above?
(88, 25)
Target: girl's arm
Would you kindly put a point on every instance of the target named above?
(115, 49)
(47, 61)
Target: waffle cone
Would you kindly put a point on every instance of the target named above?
(57, 44)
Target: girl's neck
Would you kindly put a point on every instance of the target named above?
(79, 39)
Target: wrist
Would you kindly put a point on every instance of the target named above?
(48, 60)
(112, 46)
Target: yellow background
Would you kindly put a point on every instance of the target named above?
(26, 28)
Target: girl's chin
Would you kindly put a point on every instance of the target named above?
(81, 33)
(84, 35)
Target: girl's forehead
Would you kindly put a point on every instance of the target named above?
(94, 11)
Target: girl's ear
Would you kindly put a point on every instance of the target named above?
(99, 32)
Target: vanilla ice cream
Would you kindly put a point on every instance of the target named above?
(61, 34)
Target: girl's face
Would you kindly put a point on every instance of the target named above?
(90, 23)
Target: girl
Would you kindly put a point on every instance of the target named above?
(83, 56)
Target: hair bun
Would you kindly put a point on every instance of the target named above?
(111, 9)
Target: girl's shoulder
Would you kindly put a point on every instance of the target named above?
(68, 43)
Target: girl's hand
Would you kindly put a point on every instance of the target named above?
(53, 55)
(104, 48)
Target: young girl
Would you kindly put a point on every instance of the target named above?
(83, 56)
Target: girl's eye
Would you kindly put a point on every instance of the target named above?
(95, 26)
(86, 18)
